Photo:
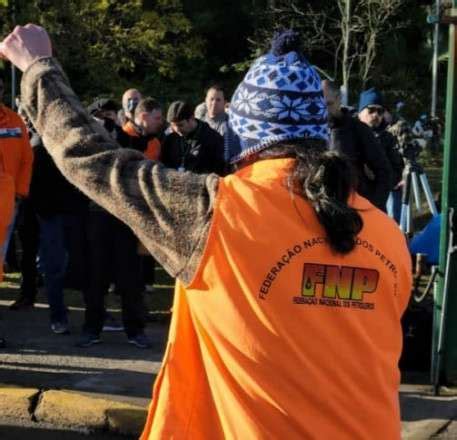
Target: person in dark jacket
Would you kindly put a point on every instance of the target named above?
(193, 145)
(371, 112)
(111, 259)
(356, 141)
(58, 207)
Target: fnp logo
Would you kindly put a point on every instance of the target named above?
(338, 283)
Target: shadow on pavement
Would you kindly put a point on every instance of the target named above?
(35, 357)
(37, 433)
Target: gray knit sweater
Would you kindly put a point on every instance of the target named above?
(169, 211)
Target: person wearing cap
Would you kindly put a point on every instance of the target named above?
(371, 112)
(353, 138)
(192, 144)
(291, 286)
(105, 110)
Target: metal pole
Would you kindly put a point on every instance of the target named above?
(347, 36)
(13, 69)
(436, 37)
(448, 366)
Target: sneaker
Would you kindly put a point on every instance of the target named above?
(87, 340)
(60, 328)
(22, 303)
(112, 324)
(140, 340)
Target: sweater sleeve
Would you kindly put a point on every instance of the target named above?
(170, 212)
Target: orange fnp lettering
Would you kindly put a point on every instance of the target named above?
(349, 283)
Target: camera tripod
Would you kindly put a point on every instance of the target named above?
(414, 173)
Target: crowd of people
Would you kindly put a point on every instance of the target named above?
(290, 285)
(55, 221)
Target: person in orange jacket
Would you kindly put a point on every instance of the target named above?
(6, 206)
(143, 133)
(6, 213)
(291, 286)
(17, 158)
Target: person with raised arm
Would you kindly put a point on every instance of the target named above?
(291, 287)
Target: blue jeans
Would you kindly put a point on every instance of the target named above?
(53, 254)
(9, 233)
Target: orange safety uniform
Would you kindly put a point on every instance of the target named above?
(16, 150)
(153, 146)
(16, 159)
(6, 205)
(277, 336)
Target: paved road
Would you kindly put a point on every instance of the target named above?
(35, 357)
(116, 370)
(10, 432)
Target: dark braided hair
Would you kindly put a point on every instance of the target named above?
(326, 179)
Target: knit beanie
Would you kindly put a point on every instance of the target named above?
(179, 111)
(370, 97)
(279, 99)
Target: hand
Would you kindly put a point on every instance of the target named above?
(25, 45)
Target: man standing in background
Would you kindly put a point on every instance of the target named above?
(193, 145)
(371, 112)
(353, 138)
(130, 100)
(215, 115)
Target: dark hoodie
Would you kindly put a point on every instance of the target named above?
(357, 142)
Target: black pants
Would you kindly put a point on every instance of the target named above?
(112, 256)
(28, 231)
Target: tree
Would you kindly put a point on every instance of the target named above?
(348, 31)
(107, 45)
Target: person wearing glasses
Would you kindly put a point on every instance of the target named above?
(353, 138)
(371, 112)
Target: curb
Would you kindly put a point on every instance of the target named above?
(71, 410)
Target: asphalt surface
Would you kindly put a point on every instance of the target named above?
(10, 431)
(119, 372)
(35, 357)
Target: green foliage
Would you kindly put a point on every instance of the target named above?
(401, 66)
(173, 49)
(107, 45)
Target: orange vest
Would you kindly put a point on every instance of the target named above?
(6, 205)
(277, 337)
(16, 150)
